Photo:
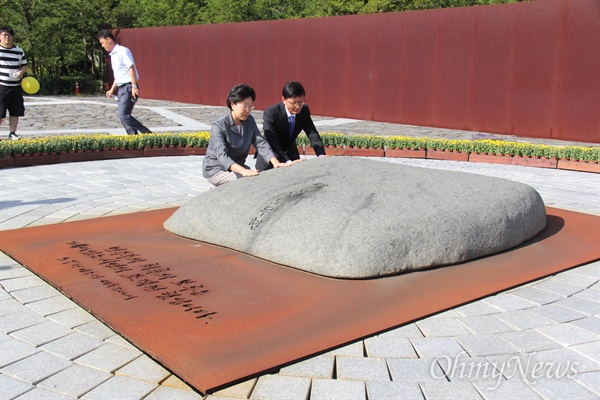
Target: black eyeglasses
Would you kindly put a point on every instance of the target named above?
(296, 103)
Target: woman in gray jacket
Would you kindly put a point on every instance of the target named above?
(230, 138)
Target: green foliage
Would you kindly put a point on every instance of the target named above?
(333, 139)
(405, 142)
(57, 85)
(76, 143)
(163, 12)
(302, 140)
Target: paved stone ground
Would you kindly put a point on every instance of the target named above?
(543, 337)
(98, 114)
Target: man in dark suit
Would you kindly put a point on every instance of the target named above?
(282, 122)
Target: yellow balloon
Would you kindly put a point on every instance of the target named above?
(30, 85)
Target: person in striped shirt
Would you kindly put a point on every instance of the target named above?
(13, 65)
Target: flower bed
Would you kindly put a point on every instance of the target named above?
(79, 147)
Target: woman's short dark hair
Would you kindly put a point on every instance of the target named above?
(240, 93)
(292, 89)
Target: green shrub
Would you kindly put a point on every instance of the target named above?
(82, 142)
(59, 85)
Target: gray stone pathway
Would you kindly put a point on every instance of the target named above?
(540, 340)
(98, 114)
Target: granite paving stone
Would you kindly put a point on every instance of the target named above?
(477, 308)
(39, 393)
(118, 339)
(389, 347)
(35, 293)
(463, 368)
(11, 388)
(393, 390)
(405, 331)
(446, 391)
(485, 345)
(13, 350)
(109, 357)
(589, 349)
(559, 313)
(561, 288)
(14, 322)
(508, 302)
(591, 270)
(355, 349)
(5, 260)
(11, 285)
(525, 319)
(175, 382)
(4, 337)
(169, 393)
(452, 313)
(518, 367)
(415, 370)
(17, 222)
(592, 293)
(485, 324)
(442, 327)
(335, 389)
(536, 295)
(96, 329)
(575, 279)
(568, 335)
(276, 387)
(562, 388)
(51, 305)
(362, 368)
(72, 346)
(530, 340)
(580, 304)
(506, 390)
(240, 390)
(72, 317)
(75, 380)
(433, 347)
(41, 333)
(13, 271)
(590, 380)
(37, 367)
(10, 306)
(565, 359)
(4, 295)
(316, 367)
(592, 324)
(120, 387)
(144, 368)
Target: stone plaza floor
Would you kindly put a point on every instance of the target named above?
(540, 340)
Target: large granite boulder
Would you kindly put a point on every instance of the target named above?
(358, 218)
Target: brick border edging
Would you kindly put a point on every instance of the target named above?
(30, 160)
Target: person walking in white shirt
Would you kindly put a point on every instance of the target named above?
(125, 81)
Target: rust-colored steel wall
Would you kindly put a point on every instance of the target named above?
(529, 69)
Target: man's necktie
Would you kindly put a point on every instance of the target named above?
(291, 122)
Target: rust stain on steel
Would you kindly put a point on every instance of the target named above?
(214, 316)
(526, 69)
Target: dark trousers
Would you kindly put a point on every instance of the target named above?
(126, 102)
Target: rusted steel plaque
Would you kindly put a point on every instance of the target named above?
(214, 316)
